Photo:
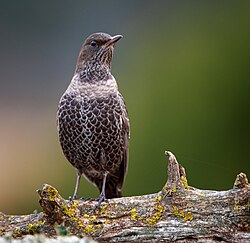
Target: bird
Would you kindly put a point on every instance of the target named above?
(92, 119)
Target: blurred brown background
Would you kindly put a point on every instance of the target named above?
(182, 66)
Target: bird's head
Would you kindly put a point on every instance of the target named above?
(97, 48)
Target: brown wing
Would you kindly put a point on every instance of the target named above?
(126, 134)
(114, 187)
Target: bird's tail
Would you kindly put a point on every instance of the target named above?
(112, 192)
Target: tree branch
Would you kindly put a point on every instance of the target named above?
(178, 212)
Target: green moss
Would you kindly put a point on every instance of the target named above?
(62, 230)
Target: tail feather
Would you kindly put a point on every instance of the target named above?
(112, 191)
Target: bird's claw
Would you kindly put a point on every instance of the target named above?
(100, 199)
(72, 198)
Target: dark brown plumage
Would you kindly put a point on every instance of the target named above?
(92, 119)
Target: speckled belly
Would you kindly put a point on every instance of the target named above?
(90, 133)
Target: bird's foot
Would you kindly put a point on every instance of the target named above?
(100, 199)
(71, 198)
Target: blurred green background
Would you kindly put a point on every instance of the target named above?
(182, 67)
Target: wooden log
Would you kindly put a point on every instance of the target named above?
(178, 212)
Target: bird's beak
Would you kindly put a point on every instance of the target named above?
(112, 41)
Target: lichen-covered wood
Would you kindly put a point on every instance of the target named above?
(178, 212)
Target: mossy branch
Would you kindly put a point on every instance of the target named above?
(178, 212)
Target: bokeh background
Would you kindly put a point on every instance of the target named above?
(182, 67)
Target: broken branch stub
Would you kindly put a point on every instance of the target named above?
(176, 175)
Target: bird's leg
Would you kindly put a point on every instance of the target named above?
(102, 196)
(77, 186)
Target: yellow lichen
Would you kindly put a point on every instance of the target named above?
(52, 193)
(17, 229)
(86, 216)
(107, 221)
(158, 198)
(168, 191)
(17, 232)
(74, 204)
(89, 229)
(177, 212)
(31, 228)
(79, 224)
(156, 216)
(159, 208)
(68, 211)
(108, 214)
(151, 221)
(103, 208)
(184, 182)
(188, 216)
(134, 214)
(10, 218)
(93, 218)
(236, 205)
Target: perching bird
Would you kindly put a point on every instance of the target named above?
(92, 119)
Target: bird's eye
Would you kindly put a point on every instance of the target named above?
(93, 43)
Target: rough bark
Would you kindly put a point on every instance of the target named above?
(177, 213)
